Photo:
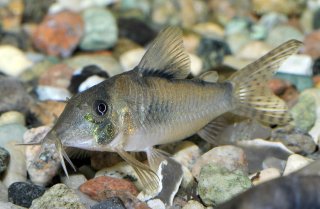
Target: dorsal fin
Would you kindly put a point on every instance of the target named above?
(166, 56)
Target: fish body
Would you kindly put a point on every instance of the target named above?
(155, 104)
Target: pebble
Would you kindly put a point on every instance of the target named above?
(303, 113)
(272, 19)
(59, 34)
(3, 193)
(58, 196)
(58, 75)
(13, 61)
(104, 61)
(264, 176)
(74, 181)
(35, 11)
(253, 50)
(80, 76)
(23, 193)
(48, 111)
(156, 204)
(297, 141)
(186, 153)
(89, 82)
(4, 159)
(100, 29)
(209, 30)
(287, 7)
(297, 65)
(104, 187)
(273, 162)
(310, 48)
(12, 117)
(11, 14)
(52, 93)
(211, 52)
(237, 41)
(77, 5)
(283, 33)
(131, 58)
(41, 170)
(295, 162)
(121, 170)
(217, 184)
(195, 65)
(258, 150)
(192, 204)
(9, 205)
(114, 203)
(230, 157)
(98, 161)
(136, 30)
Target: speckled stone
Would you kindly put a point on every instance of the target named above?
(218, 184)
(23, 193)
(58, 197)
(4, 159)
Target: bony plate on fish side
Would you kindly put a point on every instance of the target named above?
(156, 104)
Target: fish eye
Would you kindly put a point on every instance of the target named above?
(100, 107)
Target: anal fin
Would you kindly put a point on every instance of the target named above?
(212, 130)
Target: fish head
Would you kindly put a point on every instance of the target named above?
(89, 120)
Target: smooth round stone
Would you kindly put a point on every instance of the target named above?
(80, 76)
(11, 132)
(287, 7)
(59, 34)
(297, 65)
(237, 25)
(265, 175)
(136, 30)
(114, 203)
(13, 61)
(58, 196)
(156, 204)
(104, 61)
(100, 31)
(4, 159)
(77, 5)
(74, 181)
(89, 82)
(23, 193)
(12, 117)
(209, 30)
(229, 157)
(283, 33)
(195, 65)
(41, 170)
(17, 170)
(52, 93)
(3, 193)
(212, 52)
(253, 50)
(121, 170)
(192, 204)
(131, 59)
(217, 184)
(303, 113)
(296, 162)
(186, 154)
(272, 19)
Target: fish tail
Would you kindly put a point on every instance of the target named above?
(253, 97)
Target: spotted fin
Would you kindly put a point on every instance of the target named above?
(166, 56)
(148, 177)
(252, 95)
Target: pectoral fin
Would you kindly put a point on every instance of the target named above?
(148, 177)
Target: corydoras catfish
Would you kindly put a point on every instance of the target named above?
(155, 104)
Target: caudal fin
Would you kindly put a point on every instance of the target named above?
(253, 96)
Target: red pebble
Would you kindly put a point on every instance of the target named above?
(59, 34)
(105, 186)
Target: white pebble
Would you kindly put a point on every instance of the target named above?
(296, 162)
(89, 82)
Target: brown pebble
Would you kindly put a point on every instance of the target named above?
(57, 76)
(59, 34)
